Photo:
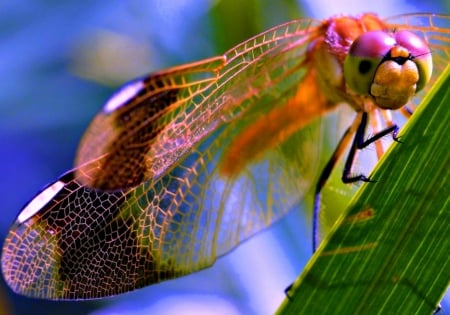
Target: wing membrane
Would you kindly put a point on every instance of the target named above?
(151, 228)
(185, 108)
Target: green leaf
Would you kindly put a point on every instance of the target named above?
(389, 252)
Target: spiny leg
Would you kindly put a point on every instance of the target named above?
(357, 130)
(343, 143)
(359, 143)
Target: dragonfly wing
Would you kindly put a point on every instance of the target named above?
(171, 111)
(87, 243)
(114, 151)
(90, 235)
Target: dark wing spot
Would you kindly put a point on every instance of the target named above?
(99, 247)
(132, 129)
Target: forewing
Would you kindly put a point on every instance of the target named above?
(173, 110)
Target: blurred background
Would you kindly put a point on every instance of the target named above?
(59, 62)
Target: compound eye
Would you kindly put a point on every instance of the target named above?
(420, 52)
(364, 56)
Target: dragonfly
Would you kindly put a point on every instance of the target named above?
(181, 166)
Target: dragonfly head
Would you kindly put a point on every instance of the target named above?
(391, 68)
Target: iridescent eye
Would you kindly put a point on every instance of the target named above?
(420, 53)
(365, 54)
(371, 49)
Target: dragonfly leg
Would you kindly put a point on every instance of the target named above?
(338, 152)
(359, 137)
(406, 111)
(359, 143)
(360, 124)
(286, 291)
(437, 309)
(356, 132)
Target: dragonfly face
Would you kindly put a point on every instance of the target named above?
(181, 166)
(389, 68)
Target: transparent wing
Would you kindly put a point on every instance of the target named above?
(147, 201)
(176, 108)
